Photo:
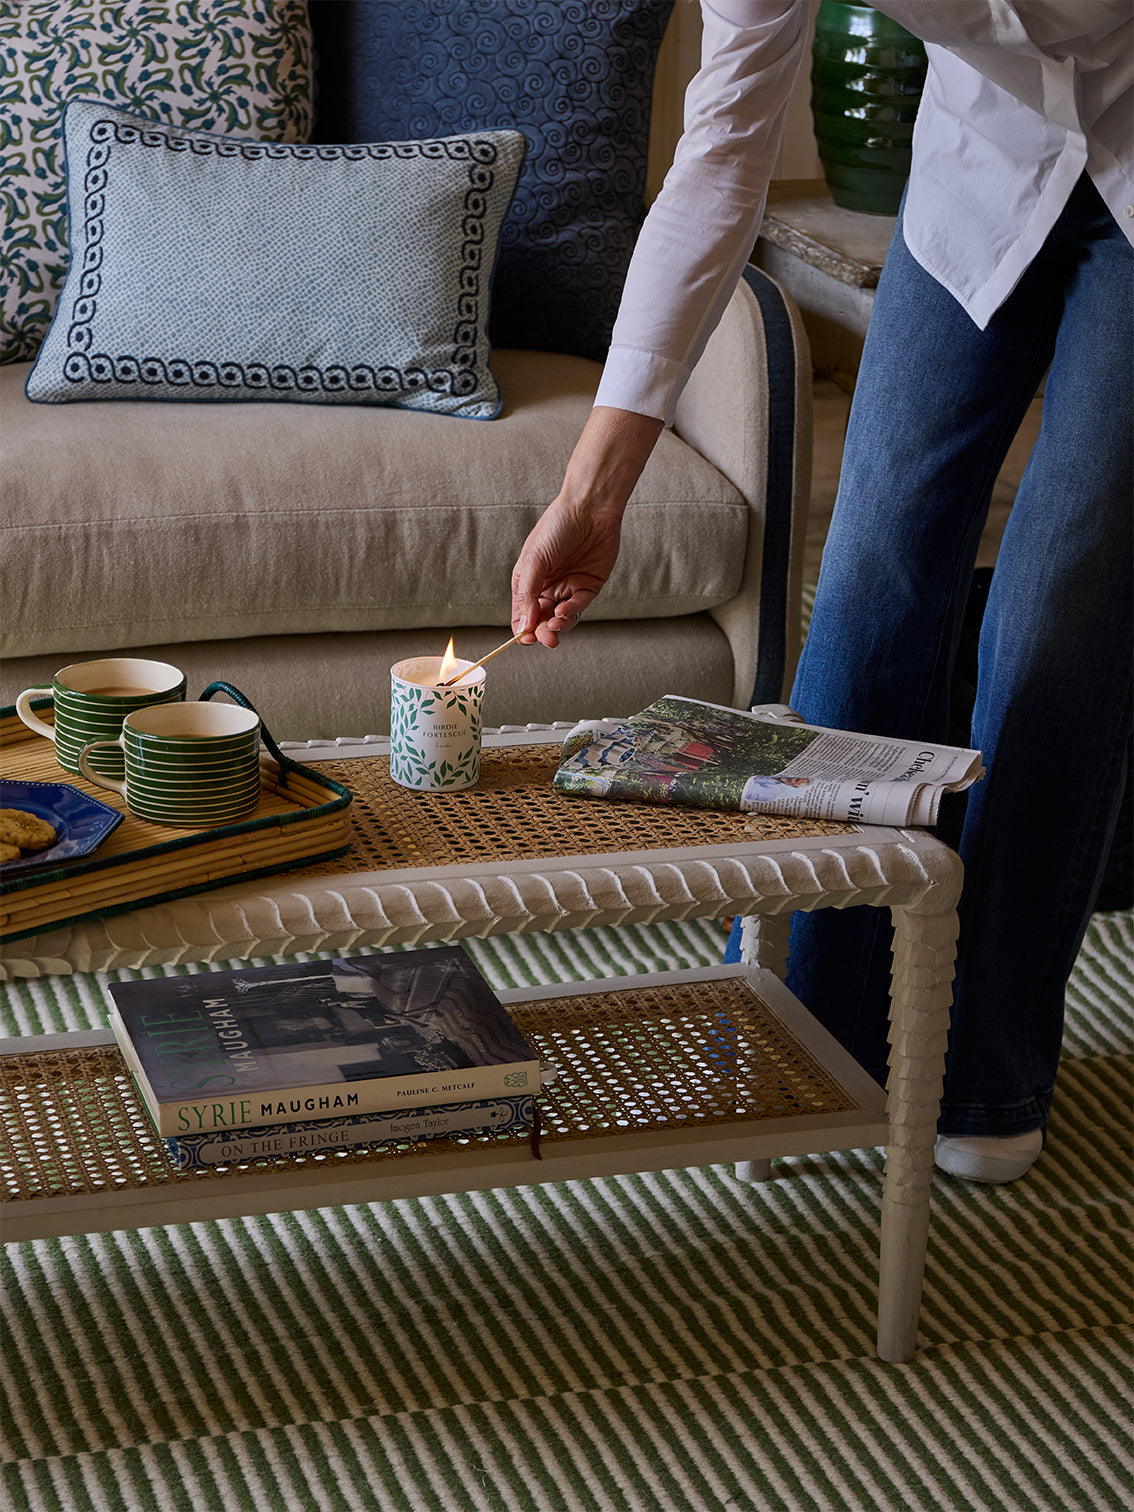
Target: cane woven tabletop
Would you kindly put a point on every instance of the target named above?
(661, 1058)
(513, 813)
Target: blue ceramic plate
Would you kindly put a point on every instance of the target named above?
(81, 823)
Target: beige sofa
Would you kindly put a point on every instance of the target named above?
(299, 550)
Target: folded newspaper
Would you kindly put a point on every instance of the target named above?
(767, 761)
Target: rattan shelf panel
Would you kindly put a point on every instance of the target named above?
(654, 1057)
(639, 1059)
(514, 813)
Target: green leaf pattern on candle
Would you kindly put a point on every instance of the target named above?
(414, 759)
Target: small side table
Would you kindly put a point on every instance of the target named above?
(828, 259)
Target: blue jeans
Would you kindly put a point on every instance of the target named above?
(936, 405)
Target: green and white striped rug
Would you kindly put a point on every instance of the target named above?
(663, 1343)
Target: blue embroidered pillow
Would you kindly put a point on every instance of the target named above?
(246, 69)
(211, 267)
(575, 78)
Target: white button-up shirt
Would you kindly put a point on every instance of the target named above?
(1021, 96)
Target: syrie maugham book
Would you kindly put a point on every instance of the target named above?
(317, 1039)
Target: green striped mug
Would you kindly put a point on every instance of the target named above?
(189, 765)
(91, 700)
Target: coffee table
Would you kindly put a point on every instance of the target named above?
(511, 856)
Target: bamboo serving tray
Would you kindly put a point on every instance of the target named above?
(302, 817)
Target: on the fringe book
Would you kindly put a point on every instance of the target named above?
(767, 761)
(267, 1045)
(500, 1115)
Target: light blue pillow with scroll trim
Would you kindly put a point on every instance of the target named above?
(207, 267)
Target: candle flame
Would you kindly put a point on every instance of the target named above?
(449, 663)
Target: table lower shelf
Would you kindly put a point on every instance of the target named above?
(677, 1069)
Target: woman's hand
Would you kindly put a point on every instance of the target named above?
(565, 561)
(572, 550)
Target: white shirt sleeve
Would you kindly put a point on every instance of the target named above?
(702, 227)
(1021, 97)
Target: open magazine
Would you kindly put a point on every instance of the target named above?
(766, 761)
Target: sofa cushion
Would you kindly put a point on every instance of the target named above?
(153, 523)
(242, 69)
(208, 268)
(311, 686)
(575, 79)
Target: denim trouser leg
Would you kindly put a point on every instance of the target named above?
(936, 405)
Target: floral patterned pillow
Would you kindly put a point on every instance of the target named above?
(242, 67)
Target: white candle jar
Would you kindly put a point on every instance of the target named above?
(435, 731)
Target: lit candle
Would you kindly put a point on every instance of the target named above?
(435, 730)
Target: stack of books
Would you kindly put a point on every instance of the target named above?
(234, 1066)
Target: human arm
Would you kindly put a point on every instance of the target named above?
(691, 252)
(569, 555)
(703, 225)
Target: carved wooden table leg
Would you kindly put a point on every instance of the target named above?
(764, 941)
(924, 952)
(925, 939)
(753, 1171)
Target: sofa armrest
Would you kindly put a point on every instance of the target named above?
(747, 410)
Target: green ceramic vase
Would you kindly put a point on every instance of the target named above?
(866, 82)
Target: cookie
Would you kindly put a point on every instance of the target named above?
(27, 831)
(9, 853)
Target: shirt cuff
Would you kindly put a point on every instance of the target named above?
(642, 382)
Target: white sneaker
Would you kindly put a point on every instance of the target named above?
(986, 1158)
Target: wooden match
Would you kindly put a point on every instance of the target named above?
(482, 661)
